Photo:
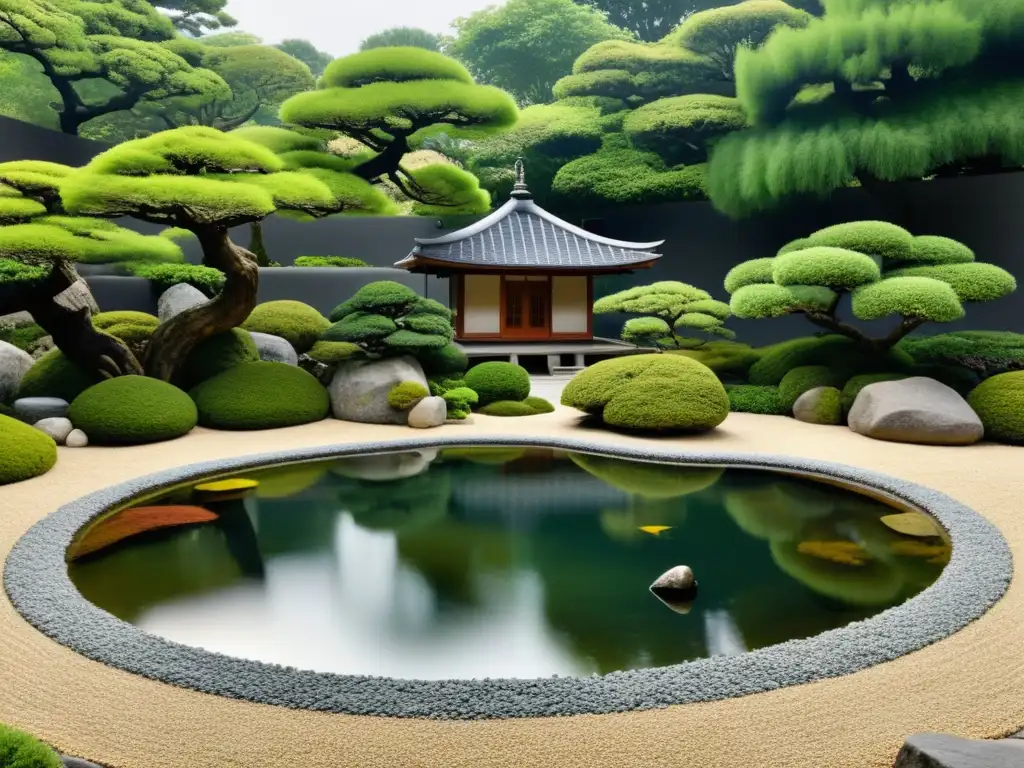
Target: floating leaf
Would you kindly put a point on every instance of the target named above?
(843, 552)
(131, 522)
(654, 530)
(912, 524)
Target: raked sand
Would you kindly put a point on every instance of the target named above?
(970, 684)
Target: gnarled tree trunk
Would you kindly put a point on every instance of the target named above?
(62, 306)
(174, 339)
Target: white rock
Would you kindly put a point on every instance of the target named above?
(428, 412)
(177, 299)
(57, 427)
(14, 364)
(76, 439)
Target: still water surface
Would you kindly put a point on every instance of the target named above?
(500, 562)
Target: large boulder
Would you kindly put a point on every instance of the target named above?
(14, 364)
(914, 410)
(274, 349)
(359, 389)
(177, 299)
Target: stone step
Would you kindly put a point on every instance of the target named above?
(939, 750)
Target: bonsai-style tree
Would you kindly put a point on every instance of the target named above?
(102, 57)
(39, 246)
(880, 90)
(388, 99)
(387, 319)
(886, 271)
(668, 310)
(205, 181)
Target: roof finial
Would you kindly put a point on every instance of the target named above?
(519, 189)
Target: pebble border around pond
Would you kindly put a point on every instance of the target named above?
(979, 572)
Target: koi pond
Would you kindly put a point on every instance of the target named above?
(499, 562)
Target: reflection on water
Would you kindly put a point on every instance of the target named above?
(499, 563)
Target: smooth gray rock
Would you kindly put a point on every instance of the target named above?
(428, 412)
(77, 762)
(806, 407)
(177, 299)
(274, 349)
(915, 410)
(14, 363)
(76, 439)
(939, 750)
(57, 427)
(359, 389)
(33, 409)
(385, 466)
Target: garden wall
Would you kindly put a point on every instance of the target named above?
(700, 246)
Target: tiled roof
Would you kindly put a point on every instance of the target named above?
(521, 234)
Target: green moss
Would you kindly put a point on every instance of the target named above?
(27, 453)
(406, 394)
(459, 399)
(539, 404)
(750, 272)
(217, 354)
(648, 480)
(329, 261)
(836, 268)
(260, 395)
(976, 281)
(331, 352)
(21, 750)
(448, 360)
(888, 242)
(836, 352)
(828, 408)
(531, 406)
(999, 403)
(802, 378)
(664, 393)
(496, 381)
(53, 375)
(133, 410)
(985, 352)
(23, 337)
(854, 385)
(759, 300)
(910, 296)
(105, 320)
(299, 323)
(750, 398)
(163, 276)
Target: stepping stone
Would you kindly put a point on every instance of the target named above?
(939, 750)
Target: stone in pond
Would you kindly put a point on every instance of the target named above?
(274, 349)
(14, 363)
(76, 439)
(428, 412)
(385, 466)
(359, 389)
(915, 410)
(233, 488)
(939, 750)
(33, 409)
(57, 427)
(177, 299)
(676, 588)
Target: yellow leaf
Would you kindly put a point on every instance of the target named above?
(654, 529)
(912, 524)
(226, 486)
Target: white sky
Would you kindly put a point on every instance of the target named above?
(337, 27)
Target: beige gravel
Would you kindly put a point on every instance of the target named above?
(971, 684)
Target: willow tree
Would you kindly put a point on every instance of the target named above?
(887, 272)
(873, 92)
(389, 99)
(39, 246)
(205, 181)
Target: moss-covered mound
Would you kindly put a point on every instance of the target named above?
(750, 398)
(664, 393)
(448, 360)
(999, 403)
(53, 375)
(498, 381)
(531, 406)
(827, 407)
(807, 377)
(837, 353)
(21, 750)
(26, 453)
(217, 354)
(133, 328)
(331, 352)
(299, 323)
(260, 395)
(133, 410)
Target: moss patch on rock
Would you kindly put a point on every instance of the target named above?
(299, 323)
(531, 406)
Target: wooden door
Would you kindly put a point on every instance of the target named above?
(526, 313)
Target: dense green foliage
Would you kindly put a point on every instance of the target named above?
(648, 20)
(133, 410)
(531, 406)
(662, 393)
(27, 453)
(331, 352)
(669, 310)
(402, 37)
(163, 276)
(459, 399)
(406, 394)
(17, 748)
(307, 53)
(884, 269)
(985, 352)
(751, 398)
(999, 403)
(25, 337)
(806, 377)
(497, 380)
(449, 360)
(217, 354)
(53, 375)
(329, 261)
(300, 324)
(260, 395)
(387, 319)
(832, 351)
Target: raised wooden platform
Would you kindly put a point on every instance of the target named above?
(553, 351)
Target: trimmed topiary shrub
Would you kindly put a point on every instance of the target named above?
(531, 406)
(664, 393)
(460, 401)
(22, 750)
(498, 381)
(217, 354)
(260, 395)
(446, 361)
(331, 352)
(329, 261)
(406, 394)
(806, 377)
(26, 453)
(999, 403)
(835, 352)
(299, 323)
(133, 410)
(853, 386)
(53, 375)
(750, 398)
